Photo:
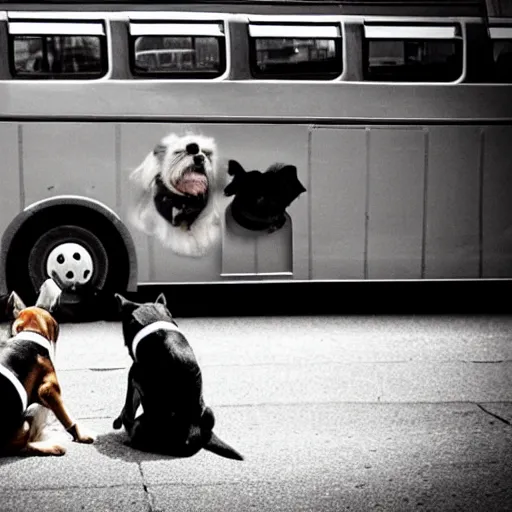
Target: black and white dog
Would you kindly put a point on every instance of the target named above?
(261, 198)
(178, 185)
(166, 380)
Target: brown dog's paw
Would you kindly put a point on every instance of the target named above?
(118, 423)
(80, 437)
(85, 439)
(57, 450)
(44, 448)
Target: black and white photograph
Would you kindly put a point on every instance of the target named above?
(256, 255)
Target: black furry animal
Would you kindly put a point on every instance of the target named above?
(261, 198)
(166, 380)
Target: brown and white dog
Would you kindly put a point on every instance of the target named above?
(29, 387)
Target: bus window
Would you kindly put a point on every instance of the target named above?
(40, 50)
(296, 51)
(178, 50)
(502, 53)
(412, 53)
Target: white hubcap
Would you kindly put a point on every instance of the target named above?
(71, 262)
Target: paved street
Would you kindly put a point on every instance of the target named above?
(356, 413)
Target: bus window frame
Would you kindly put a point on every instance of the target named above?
(304, 30)
(163, 29)
(499, 33)
(441, 32)
(43, 27)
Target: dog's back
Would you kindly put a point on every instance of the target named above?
(12, 408)
(168, 371)
(18, 362)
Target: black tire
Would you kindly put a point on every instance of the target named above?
(30, 247)
(63, 234)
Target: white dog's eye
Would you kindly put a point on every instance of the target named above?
(178, 152)
(207, 152)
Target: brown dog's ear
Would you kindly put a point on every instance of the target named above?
(53, 329)
(38, 320)
(15, 305)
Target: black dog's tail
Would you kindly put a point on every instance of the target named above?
(219, 447)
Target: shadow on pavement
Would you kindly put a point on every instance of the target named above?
(114, 445)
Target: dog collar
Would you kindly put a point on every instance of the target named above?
(248, 221)
(161, 325)
(167, 203)
(7, 373)
(35, 338)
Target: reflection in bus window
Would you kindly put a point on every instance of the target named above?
(502, 53)
(413, 61)
(57, 56)
(296, 58)
(182, 55)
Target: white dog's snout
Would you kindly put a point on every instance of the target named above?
(199, 159)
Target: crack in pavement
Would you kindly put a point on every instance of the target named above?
(151, 505)
(497, 416)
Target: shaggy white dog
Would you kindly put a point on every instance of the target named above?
(178, 187)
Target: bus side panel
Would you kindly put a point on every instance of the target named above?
(338, 203)
(10, 197)
(497, 202)
(69, 158)
(452, 247)
(257, 147)
(395, 203)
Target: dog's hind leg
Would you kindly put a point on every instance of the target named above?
(37, 417)
(141, 436)
(21, 444)
(43, 448)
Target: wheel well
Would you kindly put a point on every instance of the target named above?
(120, 275)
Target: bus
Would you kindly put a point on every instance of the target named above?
(392, 119)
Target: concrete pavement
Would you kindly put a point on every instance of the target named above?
(355, 413)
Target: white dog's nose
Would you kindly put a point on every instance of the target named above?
(198, 159)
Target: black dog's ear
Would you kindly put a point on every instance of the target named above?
(161, 300)
(289, 185)
(125, 304)
(15, 305)
(238, 172)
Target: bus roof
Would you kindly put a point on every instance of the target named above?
(347, 7)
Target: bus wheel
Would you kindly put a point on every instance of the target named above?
(72, 254)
